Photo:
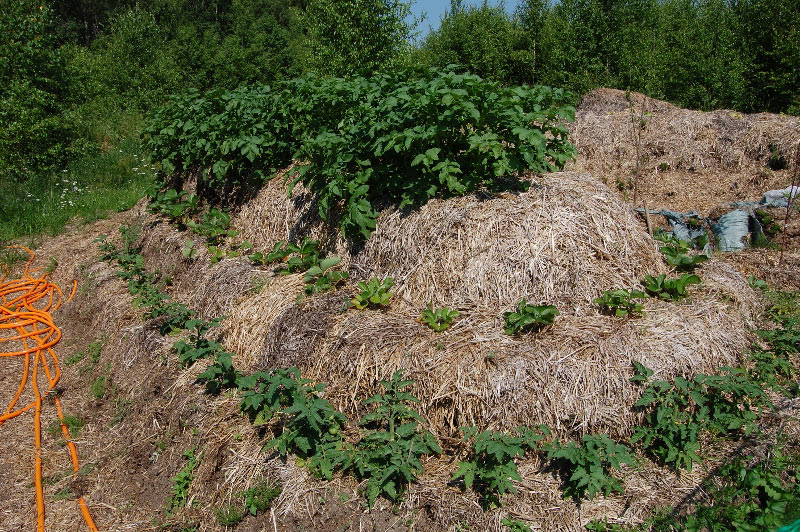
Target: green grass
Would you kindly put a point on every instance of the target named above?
(90, 188)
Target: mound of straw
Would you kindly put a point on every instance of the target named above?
(562, 242)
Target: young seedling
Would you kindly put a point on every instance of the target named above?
(438, 319)
(620, 302)
(529, 317)
(374, 293)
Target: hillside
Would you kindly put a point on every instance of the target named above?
(567, 238)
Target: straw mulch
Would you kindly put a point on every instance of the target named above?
(690, 160)
(562, 242)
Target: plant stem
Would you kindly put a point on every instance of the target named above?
(790, 200)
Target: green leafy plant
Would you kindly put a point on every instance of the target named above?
(676, 412)
(374, 293)
(529, 317)
(189, 251)
(298, 257)
(322, 277)
(311, 429)
(438, 319)
(675, 252)
(181, 482)
(220, 375)
(491, 468)
(259, 498)
(198, 346)
(515, 525)
(620, 302)
(388, 456)
(214, 226)
(266, 393)
(98, 387)
(748, 495)
(757, 284)
(586, 467)
(669, 289)
(174, 204)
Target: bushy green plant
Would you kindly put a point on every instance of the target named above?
(676, 253)
(220, 375)
(676, 412)
(403, 137)
(620, 302)
(198, 346)
(388, 455)
(311, 429)
(669, 289)
(529, 317)
(214, 225)
(438, 319)
(491, 467)
(586, 467)
(176, 205)
(266, 393)
(373, 293)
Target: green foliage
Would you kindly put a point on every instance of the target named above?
(174, 205)
(620, 302)
(181, 481)
(344, 37)
(401, 137)
(502, 53)
(229, 515)
(311, 429)
(259, 498)
(322, 278)
(676, 412)
(374, 293)
(98, 387)
(750, 495)
(438, 319)
(529, 317)
(515, 525)
(35, 135)
(669, 289)
(675, 252)
(586, 467)
(266, 393)
(198, 346)
(388, 455)
(491, 468)
(214, 225)
(757, 284)
(301, 256)
(221, 375)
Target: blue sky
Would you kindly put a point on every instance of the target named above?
(434, 10)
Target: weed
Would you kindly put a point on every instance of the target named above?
(121, 408)
(181, 481)
(515, 525)
(98, 387)
(229, 515)
(259, 498)
(73, 424)
(64, 494)
(757, 284)
(529, 317)
(438, 319)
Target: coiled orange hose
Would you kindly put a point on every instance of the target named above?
(27, 330)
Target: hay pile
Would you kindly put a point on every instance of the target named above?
(563, 242)
(690, 160)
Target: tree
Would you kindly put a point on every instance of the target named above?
(355, 36)
(34, 135)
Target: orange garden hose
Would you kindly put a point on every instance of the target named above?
(27, 330)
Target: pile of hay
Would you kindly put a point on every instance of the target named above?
(689, 160)
(562, 242)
